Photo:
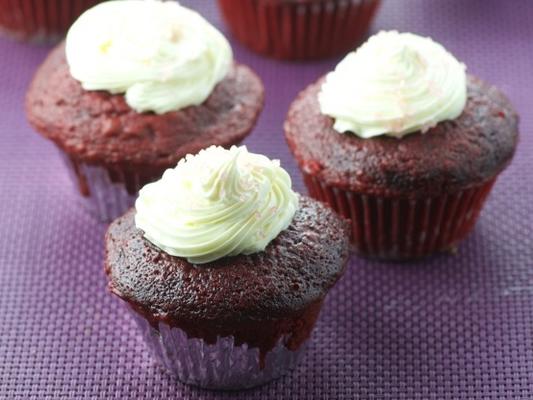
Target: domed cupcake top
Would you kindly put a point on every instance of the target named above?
(217, 203)
(163, 56)
(394, 84)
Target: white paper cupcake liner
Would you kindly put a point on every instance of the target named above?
(102, 197)
(222, 365)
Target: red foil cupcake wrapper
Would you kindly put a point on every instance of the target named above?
(106, 194)
(40, 20)
(222, 365)
(292, 30)
(404, 228)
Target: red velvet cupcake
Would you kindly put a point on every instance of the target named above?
(41, 20)
(127, 97)
(225, 268)
(403, 142)
(299, 29)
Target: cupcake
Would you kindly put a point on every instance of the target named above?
(225, 268)
(299, 29)
(400, 139)
(136, 87)
(42, 20)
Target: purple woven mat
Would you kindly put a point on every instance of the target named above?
(453, 327)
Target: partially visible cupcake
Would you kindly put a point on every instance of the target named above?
(41, 20)
(402, 141)
(299, 29)
(137, 86)
(225, 268)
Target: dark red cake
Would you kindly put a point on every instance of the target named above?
(97, 128)
(257, 299)
(413, 196)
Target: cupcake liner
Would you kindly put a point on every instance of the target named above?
(299, 30)
(105, 193)
(222, 365)
(404, 228)
(40, 20)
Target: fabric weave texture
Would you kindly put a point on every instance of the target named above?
(451, 327)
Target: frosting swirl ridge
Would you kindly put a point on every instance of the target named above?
(215, 204)
(394, 84)
(162, 56)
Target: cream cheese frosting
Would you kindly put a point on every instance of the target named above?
(162, 56)
(217, 203)
(394, 84)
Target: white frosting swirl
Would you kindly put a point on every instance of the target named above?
(217, 203)
(394, 84)
(163, 56)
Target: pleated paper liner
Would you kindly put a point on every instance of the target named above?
(40, 20)
(299, 30)
(222, 365)
(225, 359)
(105, 192)
(404, 228)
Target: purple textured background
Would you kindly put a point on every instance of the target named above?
(454, 327)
